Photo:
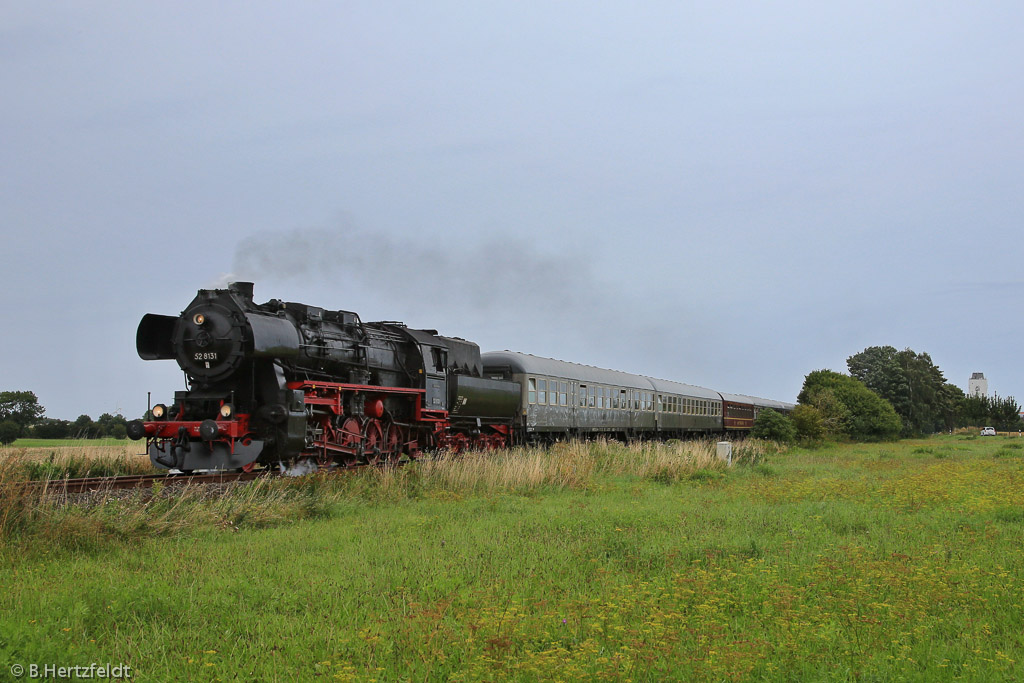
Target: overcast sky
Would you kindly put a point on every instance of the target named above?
(721, 193)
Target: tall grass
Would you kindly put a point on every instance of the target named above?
(73, 461)
(46, 513)
(571, 465)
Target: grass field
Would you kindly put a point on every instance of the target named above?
(857, 562)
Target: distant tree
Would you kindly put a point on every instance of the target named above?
(809, 423)
(119, 431)
(51, 428)
(1005, 413)
(835, 417)
(21, 407)
(9, 432)
(974, 412)
(910, 381)
(84, 427)
(990, 411)
(847, 404)
(107, 424)
(950, 403)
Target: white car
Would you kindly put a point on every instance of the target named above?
(988, 431)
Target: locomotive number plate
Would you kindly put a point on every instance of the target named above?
(206, 355)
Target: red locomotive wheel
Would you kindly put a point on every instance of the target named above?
(349, 436)
(373, 441)
(324, 459)
(393, 443)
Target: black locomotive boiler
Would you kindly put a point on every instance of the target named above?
(282, 382)
(275, 382)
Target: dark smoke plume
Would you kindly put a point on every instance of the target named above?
(498, 277)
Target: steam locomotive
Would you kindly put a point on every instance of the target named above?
(282, 382)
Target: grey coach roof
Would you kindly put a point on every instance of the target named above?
(762, 402)
(534, 365)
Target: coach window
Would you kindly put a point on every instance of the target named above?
(532, 384)
(591, 397)
(542, 391)
(563, 393)
(582, 396)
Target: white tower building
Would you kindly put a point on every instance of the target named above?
(977, 385)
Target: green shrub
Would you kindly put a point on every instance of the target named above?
(850, 409)
(773, 426)
(809, 423)
(9, 432)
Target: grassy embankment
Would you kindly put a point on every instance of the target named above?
(876, 562)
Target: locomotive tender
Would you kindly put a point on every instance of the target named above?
(281, 381)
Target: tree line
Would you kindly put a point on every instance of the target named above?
(21, 415)
(887, 394)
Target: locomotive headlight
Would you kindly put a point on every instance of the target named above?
(199, 318)
(227, 410)
(159, 410)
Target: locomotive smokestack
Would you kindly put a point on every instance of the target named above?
(243, 289)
